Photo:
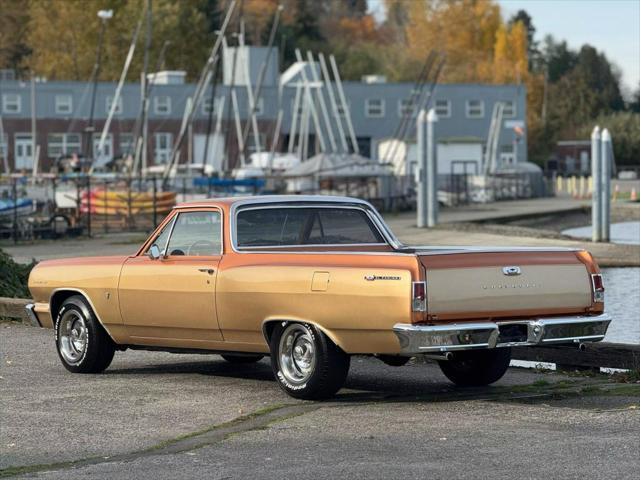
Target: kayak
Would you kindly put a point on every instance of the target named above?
(102, 210)
(134, 203)
(125, 196)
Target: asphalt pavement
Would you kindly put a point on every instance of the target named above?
(161, 415)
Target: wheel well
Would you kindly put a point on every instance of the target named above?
(58, 298)
(269, 326)
(267, 329)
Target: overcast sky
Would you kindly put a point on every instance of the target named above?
(612, 26)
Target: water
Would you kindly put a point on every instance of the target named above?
(622, 286)
(622, 302)
(624, 232)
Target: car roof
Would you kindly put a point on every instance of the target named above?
(262, 199)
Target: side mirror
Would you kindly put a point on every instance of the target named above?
(154, 252)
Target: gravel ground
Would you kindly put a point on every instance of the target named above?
(387, 422)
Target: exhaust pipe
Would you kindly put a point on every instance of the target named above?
(439, 358)
(582, 347)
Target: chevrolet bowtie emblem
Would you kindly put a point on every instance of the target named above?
(511, 271)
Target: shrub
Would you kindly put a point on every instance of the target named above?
(13, 277)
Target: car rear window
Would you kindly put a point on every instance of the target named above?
(266, 227)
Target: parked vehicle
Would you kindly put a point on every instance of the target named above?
(311, 281)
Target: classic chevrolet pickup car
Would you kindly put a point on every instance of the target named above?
(310, 281)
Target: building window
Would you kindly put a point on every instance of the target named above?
(475, 109)
(406, 107)
(109, 102)
(126, 144)
(374, 107)
(443, 108)
(163, 145)
(206, 105)
(63, 144)
(64, 104)
(162, 105)
(11, 103)
(509, 109)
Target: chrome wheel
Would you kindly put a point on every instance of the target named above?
(297, 355)
(72, 337)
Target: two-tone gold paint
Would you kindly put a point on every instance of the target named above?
(223, 302)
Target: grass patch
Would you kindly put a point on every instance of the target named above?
(235, 421)
(541, 383)
(12, 471)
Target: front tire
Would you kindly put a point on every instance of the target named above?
(306, 363)
(82, 343)
(476, 368)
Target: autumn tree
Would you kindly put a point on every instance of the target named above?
(63, 37)
(14, 48)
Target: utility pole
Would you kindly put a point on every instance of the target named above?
(432, 170)
(34, 152)
(421, 177)
(606, 154)
(596, 174)
(427, 178)
(144, 89)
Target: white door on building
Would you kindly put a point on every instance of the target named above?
(507, 155)
(23, 151)
(215, 151)
(104, 157)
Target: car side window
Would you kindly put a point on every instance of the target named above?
(196, 234)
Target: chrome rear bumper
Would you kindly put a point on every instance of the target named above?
(416, 339)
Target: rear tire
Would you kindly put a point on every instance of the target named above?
(306, 363)
(242, 359)
(82, 343)
(476, 368)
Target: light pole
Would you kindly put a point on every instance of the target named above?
(104, 16)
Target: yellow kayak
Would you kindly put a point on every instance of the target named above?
(124, 196)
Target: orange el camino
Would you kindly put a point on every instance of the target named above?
(310, 281)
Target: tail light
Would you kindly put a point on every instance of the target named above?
(419, 296)
(598, 288)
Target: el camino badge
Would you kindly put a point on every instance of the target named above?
(371, 278)
(511, 271)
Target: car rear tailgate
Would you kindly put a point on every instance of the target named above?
(505, 284)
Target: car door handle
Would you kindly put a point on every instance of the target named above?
(210, 271)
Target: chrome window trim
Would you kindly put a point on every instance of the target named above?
(321, 245)
(311, 202)
(166, 245)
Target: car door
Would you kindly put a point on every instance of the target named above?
(171, 300)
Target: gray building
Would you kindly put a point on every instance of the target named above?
(62, 111)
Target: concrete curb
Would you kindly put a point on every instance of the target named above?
(14, 308)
